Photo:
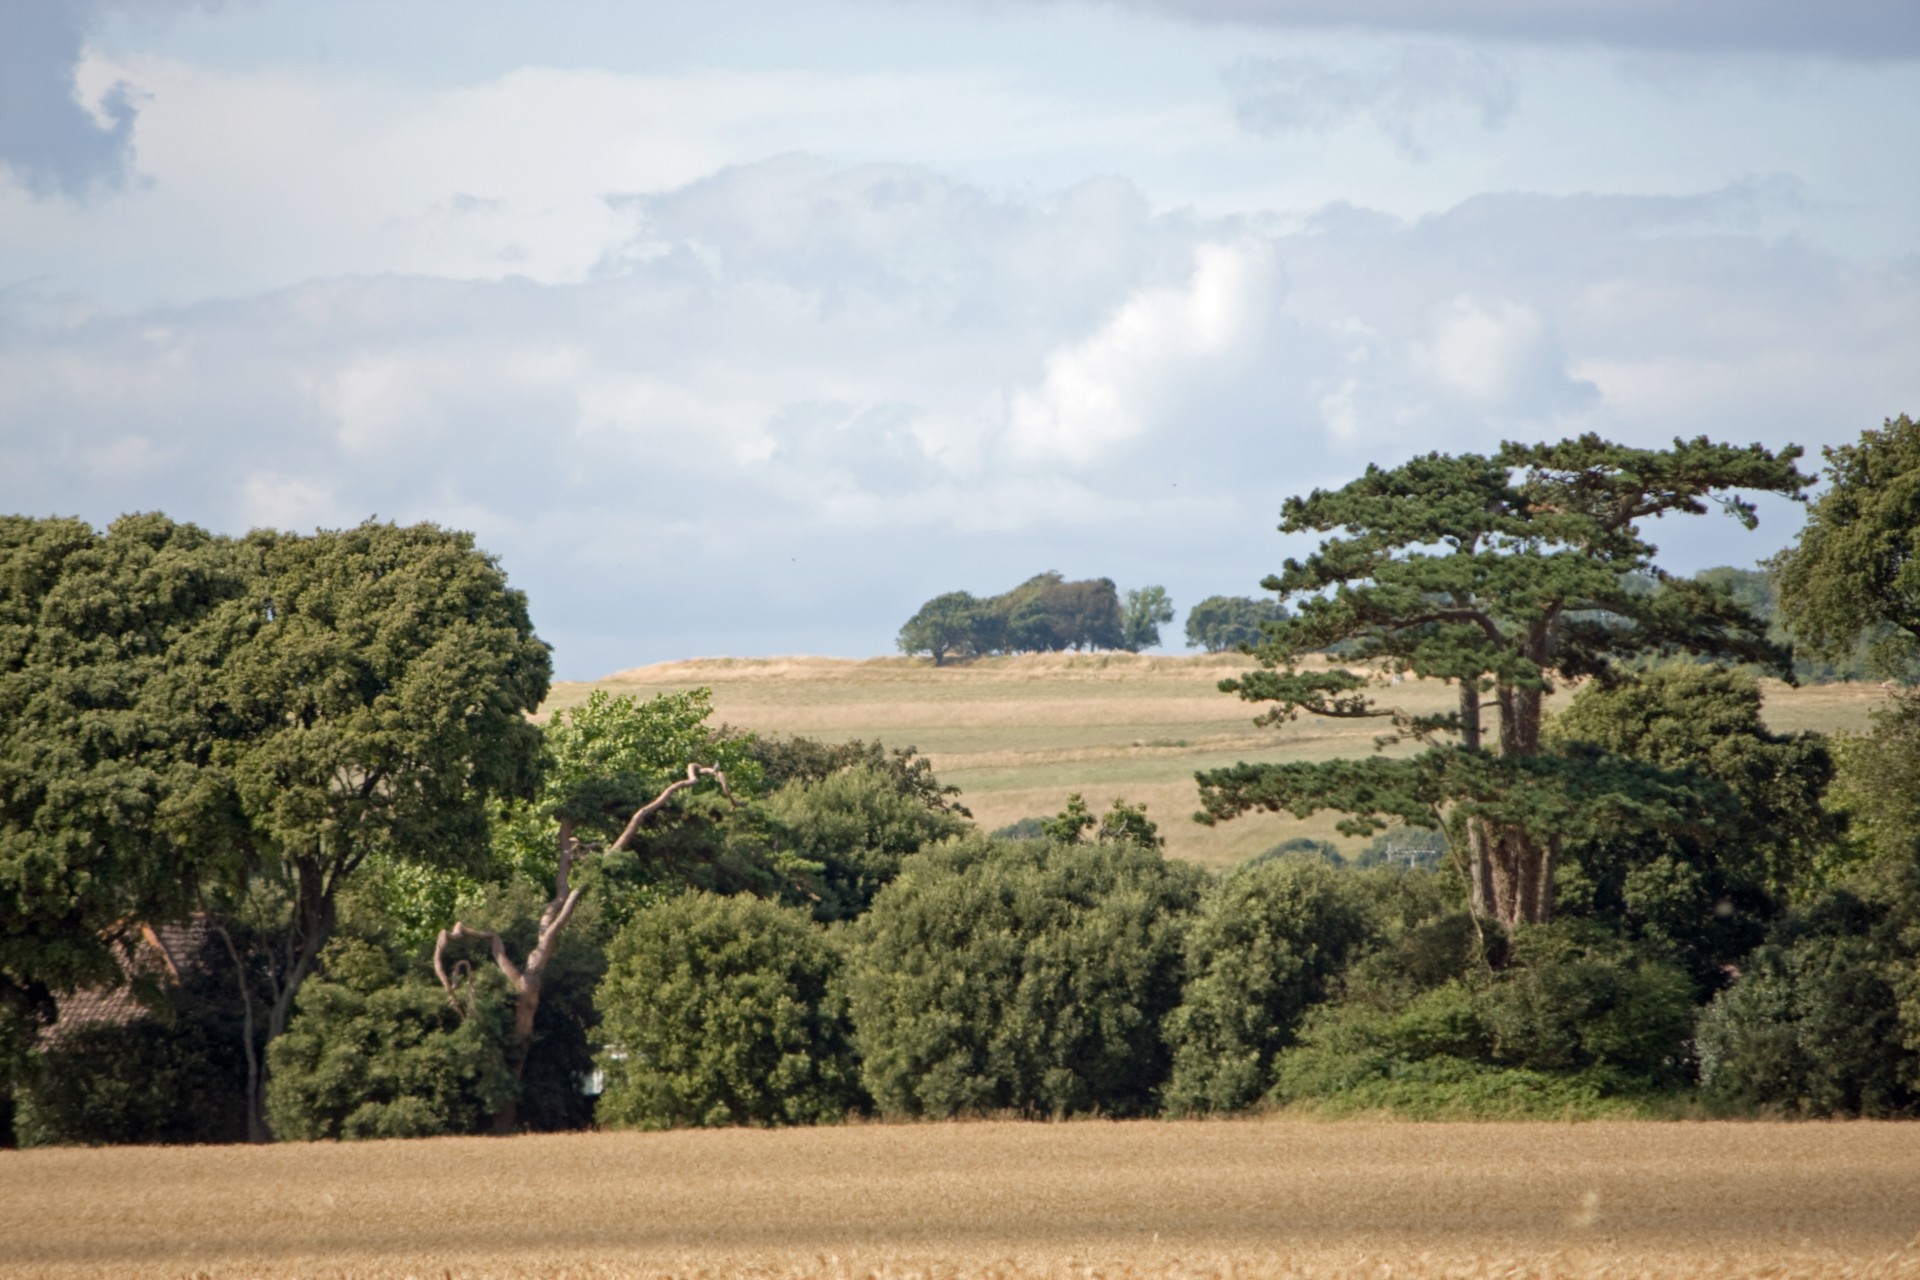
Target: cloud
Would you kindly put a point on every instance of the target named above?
(802, 396)
(1869, 29)
(49, 139)
(55, 137)
(1277, 95)
(1115, 385)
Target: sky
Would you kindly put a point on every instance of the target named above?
(742, 328)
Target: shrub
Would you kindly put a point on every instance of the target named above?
(1266, 941)
(371, 1053)
(856, 825)
(1576, 1016)
(717, 1011)
(1823, 1020)
(1030, 977)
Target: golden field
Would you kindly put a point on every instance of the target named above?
(1249, 1197)
(1018, 734)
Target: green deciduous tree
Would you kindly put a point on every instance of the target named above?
(376, 1053)
(856, 825)
(1145, 611)
(112, 804)
(720, 1011)
(375, 685)
(1825, 1018)
(945, 626)
(611, 769)
(1705, 891)
(1263, 947)
(1856, 567)
(1220, 623)
(1030, 977)
(1502, 575)
(116, 803)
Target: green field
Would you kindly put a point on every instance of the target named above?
(1018, 734)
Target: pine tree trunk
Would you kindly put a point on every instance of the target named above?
(1512, 873)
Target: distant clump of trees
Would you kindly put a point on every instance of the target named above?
(1222, 623)
(1045, 614)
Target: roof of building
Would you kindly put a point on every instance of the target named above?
(160, 954)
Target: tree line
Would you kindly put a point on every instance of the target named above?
(416, 911)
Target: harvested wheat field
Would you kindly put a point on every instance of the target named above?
(1018, 734)
(1259, 1197)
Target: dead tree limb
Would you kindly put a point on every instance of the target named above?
(526, 980)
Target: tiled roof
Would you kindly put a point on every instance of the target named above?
(162, 953)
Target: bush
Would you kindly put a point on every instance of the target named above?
(1031, 977)
(719, 1011)
(371, 1053)
(1574, 1018)
(1824, 1020)
(856, 825)
(1264, 945)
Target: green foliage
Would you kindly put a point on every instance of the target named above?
(1705, 892)
(1145, 611)
(115, 802)
(948, 624)
(611, 755)
(1825, 1019)
(1500, 575)
(719, 1011)
(1122, 824)
(856, 826)
(1262, 949)
(1220, 623)
(1856, 566)
(1043, 614)
(800, 759)
(1571, 1023)
(1022, 977)
(1756, 591)
(372, 1053)
(1879, 779)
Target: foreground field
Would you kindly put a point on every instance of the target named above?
(1243, 1198)
(1018, 734)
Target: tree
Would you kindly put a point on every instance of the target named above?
(946, 624)
(1147, 609)
(1123, 823)
(1265, 944)
(377, 1053)
(1705, 892)
(610, 773)
(856, 825)
(375, 687)
(1030, 976)
(721, 1010)
(1220, 623)
(1856, 567)
(1500, 575)
(116, 802)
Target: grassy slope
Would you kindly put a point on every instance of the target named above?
(1018, 734)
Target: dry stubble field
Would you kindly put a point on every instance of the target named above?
(1018, 734)
(1258, 1197)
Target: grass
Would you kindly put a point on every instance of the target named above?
(1019, 734)
(1250, 1197)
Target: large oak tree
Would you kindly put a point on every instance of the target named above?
(1502, 575)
